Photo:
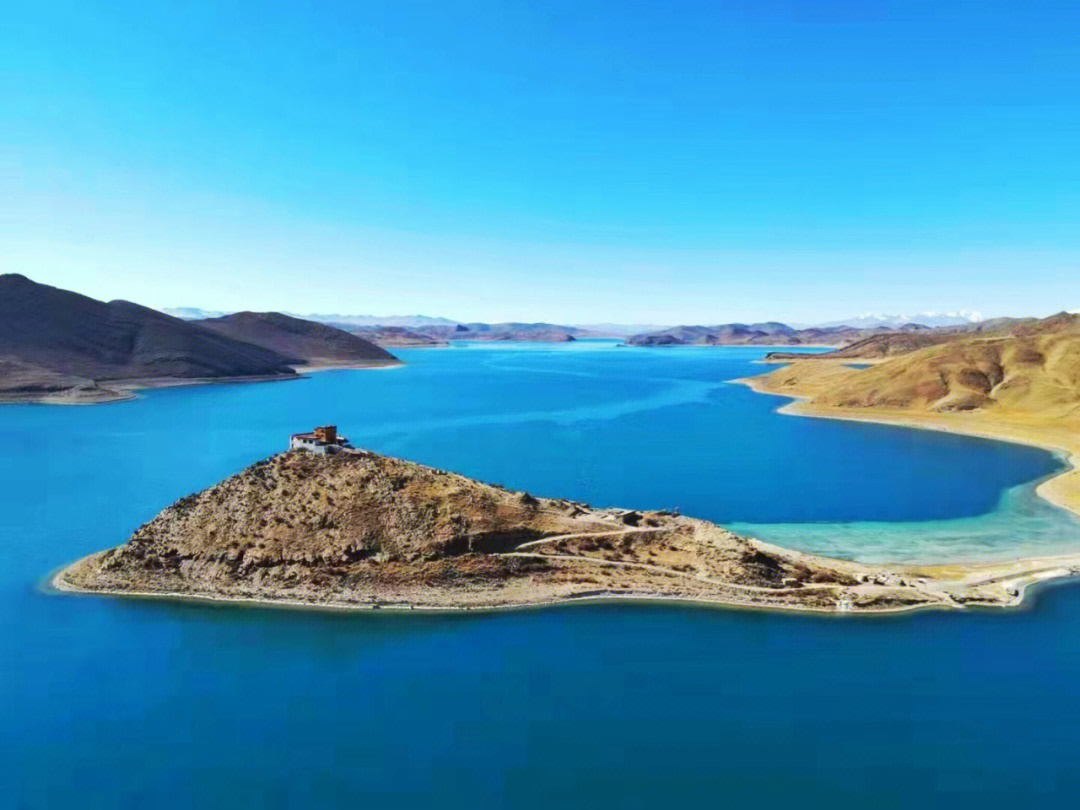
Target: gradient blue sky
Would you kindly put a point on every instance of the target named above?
(580, 161)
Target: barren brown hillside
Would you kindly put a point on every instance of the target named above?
(56, 343)
(1033, 368)
(361, 529)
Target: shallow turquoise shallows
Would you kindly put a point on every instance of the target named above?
(113, 703)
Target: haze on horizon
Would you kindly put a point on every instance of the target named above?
(575, 162)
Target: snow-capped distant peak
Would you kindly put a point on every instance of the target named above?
(869, 320)
(193, 313)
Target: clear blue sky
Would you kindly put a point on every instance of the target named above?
(582, 161)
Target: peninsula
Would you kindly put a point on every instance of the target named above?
(331, 526)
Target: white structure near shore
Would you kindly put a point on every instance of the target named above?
(322, 440)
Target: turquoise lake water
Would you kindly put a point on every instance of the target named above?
(108, 703)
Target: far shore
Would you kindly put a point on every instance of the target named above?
(793, 347)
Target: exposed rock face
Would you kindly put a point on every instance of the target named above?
(302, 342)
(56, 342)
(361, 529)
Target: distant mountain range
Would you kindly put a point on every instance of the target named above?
(871, 320)
(771, 333)
(427, 330)
(405, 321)
(436, 329)
(537, 332)
(57, 345)
(618, 330)
(423, 330)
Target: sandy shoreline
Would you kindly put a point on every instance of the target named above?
(1062, 490)
(1015, 577)
(314, 368)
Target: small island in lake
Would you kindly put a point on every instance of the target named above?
(325, 524)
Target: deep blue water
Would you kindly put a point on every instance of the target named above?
(108, 703)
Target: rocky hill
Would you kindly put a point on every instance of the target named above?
(56, 344)
(302, 342)
(1032, 369)
(358, 529)
(763, 334)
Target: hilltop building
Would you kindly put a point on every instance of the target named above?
(323, 440)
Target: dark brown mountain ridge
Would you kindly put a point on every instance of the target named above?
(302, 342)
(61, 346)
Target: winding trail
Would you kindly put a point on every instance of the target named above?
(578, 558)
(576, 535)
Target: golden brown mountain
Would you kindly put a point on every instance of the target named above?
(1034, 368)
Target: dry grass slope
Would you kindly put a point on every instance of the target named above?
(1034, 368)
